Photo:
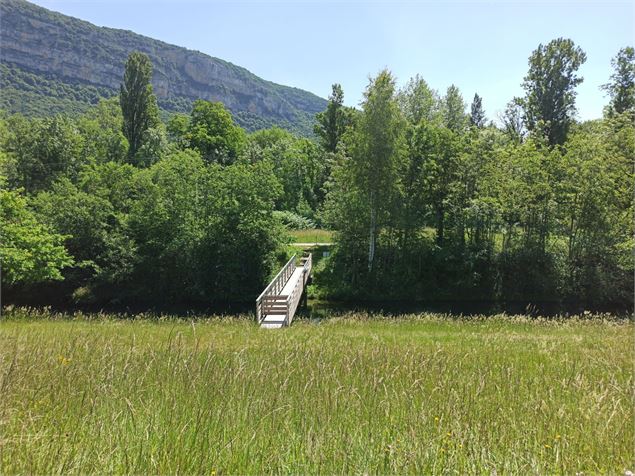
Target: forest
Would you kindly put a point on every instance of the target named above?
(428, 198)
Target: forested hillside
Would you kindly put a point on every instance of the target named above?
(427, 199)
(52, 63)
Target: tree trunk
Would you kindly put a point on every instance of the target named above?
(440, 225)
(371, 242)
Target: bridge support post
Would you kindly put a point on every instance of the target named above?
(305, 299)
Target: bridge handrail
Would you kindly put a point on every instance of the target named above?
(293, 300)
(278, 281)
(277, 284)
(308, 265)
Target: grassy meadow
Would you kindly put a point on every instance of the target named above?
(410, 395)
(311, 235)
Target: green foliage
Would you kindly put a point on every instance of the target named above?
(596, 199)
(333, 122)
(177, 127)
(477, 114)
(419, 102)
(550, 89)
(513, 120)
(93, 215)
(30, 251)
(454, 116)
(66, 88)
(212, 132)
(155, 146)
(293, 221)
(485, 214)
(39, 95)
(42, 150)
(622, 85)
(435, 150)
(138, 103)
(203, 232)
(422, 206)
(101, 127)
(299, 165)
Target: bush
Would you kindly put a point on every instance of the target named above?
(293, 221)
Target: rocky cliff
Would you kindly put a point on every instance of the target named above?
(43, 53)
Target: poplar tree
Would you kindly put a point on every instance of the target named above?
(549, 103)
(138, 102)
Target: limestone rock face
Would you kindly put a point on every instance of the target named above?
(73, 51)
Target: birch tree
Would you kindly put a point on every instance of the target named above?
(375, 152)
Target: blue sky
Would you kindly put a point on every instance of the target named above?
(479, 46)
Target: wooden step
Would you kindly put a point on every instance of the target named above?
(274, 310)
(272, 325)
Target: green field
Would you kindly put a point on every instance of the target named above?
(312, 235)
(417, 394)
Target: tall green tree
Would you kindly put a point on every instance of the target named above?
(440, 169)
(42, 150)
(375, 152)
(298, 164)
(430, 155)
(550, 84)
(418, 101)
(138, 102)
(513, 122)
(596, 211)
(203, 231)
(92, 213)
(477, 113)
(454, 110)
(333, 121)
(101, 126)
(622, 85)
(213, 132)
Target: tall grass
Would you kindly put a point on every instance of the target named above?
(312, 235)
(418, 394)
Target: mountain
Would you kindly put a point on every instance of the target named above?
(51, 63)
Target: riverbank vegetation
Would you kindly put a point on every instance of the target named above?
(419, 394)
(423, 196)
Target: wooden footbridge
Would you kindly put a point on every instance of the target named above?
(277, 304)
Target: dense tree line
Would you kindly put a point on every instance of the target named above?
(117, 206)
(429, 200)
(431, 203)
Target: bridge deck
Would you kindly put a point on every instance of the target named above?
(276, 318)
(277, 304)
